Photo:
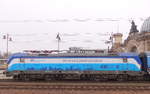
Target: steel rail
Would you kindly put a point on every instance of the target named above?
(66, 86)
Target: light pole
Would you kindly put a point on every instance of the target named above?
(144, 41)
(8, 38)
(59, 39)
(110, 41)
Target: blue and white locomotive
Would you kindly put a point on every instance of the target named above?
(24, 66)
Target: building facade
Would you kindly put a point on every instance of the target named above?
(137, 41)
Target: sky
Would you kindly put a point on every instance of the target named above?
(34, 24)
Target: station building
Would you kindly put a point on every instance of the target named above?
(137, 41)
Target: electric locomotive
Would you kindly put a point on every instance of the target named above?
(84, 66)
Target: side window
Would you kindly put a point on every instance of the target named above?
(125, 60)
(22, 60)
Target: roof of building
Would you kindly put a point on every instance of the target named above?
(146, 25)
(118, 34)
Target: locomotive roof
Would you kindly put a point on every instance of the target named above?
(75, 54)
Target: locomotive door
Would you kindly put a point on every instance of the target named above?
(22, 61)
(126, 65)
(144, 65)
(148, 64)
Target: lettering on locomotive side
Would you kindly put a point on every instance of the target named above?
(65, 60)
(82, 61)
(103, 66)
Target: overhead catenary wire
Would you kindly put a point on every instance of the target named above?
(53, 20)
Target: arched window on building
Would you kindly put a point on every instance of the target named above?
(133, 49)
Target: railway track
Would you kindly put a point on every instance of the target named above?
(76, 87)
(73, 86)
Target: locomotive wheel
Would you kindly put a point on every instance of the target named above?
(121, 78)
(83, 77)
(146, 78)
(47, 78)
(15, 77)
(26, 78)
